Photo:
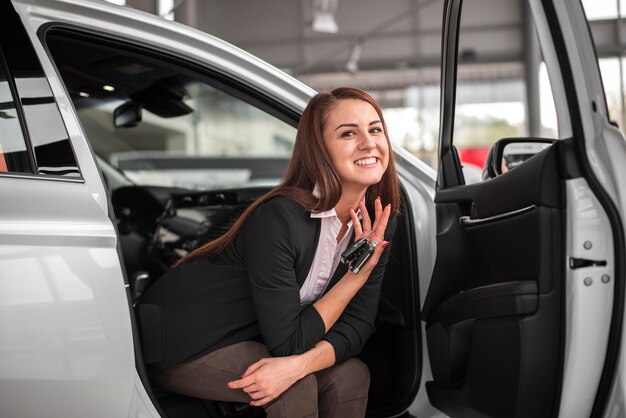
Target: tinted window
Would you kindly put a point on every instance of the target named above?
(45, 131)
(13, 151)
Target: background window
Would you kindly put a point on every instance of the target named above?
(605, 15)
(605, 9)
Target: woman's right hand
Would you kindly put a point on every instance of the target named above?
(375, 231)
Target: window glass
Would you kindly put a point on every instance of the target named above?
(486, 112)
(493, 98)
(163, 125)
(44, 126)
(13, 151)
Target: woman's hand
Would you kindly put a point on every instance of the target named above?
(375, 232)
(268, 378)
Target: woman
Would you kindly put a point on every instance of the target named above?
(276, 319)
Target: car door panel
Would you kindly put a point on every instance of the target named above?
(64, 310)
(500, 247)
(552, 350)
(494, 306)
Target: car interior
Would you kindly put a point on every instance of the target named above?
(157, 224)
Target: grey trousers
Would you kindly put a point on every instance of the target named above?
(339, 391)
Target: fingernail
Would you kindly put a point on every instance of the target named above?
(386, 244)
(378, 198)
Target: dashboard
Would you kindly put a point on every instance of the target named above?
(159, 225)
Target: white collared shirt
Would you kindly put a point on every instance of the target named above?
(327, 256)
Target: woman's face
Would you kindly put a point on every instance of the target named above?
(355, 139)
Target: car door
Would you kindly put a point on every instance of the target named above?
(66, 346)
(523, 312)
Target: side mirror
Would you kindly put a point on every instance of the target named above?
(508, 153)
(127, 115)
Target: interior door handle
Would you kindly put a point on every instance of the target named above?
(468, 221)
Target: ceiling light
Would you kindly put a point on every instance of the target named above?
(324, 16)
(108, 88)
(83, 94)
(352, 66)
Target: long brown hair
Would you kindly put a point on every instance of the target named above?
(311, 165)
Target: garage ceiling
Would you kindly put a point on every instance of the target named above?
(389, 44)
(393, 43)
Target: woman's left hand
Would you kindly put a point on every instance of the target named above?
(268, 378)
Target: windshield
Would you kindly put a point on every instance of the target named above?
(161, 126)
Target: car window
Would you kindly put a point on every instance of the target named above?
(508, 99)
(13, 152)
(163, 124)
(47, 134)
(34, 139)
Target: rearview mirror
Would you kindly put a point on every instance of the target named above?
(508, 153)
(127, 115)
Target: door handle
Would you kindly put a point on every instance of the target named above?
(468, 221)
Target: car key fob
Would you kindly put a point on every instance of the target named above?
(356, 255)
(353, 251)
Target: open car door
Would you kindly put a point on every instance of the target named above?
(524, 309)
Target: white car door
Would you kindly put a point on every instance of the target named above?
(66, 346)
(524, 310)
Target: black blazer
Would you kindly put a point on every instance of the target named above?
(252, 292)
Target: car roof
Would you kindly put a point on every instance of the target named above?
(126, 23)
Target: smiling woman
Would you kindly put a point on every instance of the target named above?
(296, 316)
(188, 156)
